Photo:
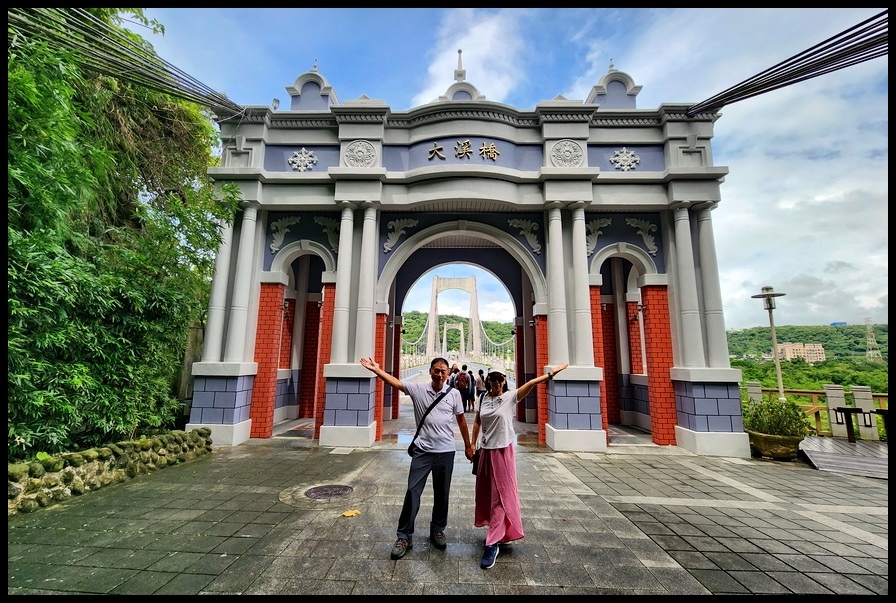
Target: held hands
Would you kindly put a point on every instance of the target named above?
(469, 451)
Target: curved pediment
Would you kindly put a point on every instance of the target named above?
(311, 92)
(615, 90)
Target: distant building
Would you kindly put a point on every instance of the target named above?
(838, 324)
(810, 352)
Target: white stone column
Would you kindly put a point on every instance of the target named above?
(691, 325)
(242, 285)
(366, 284)
(342, 302)
(213, 344)
(583, 346)
(716, 339)
(558, 337)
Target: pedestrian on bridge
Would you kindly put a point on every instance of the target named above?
(481, 388)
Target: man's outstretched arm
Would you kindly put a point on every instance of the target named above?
(371, 365)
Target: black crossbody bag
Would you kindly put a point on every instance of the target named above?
(411, 446)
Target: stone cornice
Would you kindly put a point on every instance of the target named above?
(324, 121)
(362, 115)
(441, 115)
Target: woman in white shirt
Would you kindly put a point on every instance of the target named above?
(497, 503)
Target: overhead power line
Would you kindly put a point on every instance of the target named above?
(862, 42)
(105, 49)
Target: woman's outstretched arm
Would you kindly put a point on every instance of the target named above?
(525, 388)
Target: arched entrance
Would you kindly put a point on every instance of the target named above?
(475, 241)
(595, 215)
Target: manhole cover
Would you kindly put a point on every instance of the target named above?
(327, 492)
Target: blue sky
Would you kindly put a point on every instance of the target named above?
(804, 207)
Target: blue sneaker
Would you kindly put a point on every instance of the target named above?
(488, 556)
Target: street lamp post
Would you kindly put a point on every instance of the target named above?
(768, 296)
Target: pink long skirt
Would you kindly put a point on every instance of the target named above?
(497, 496)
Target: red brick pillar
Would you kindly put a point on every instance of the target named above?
(541, 360)
(598, 316)
(634, 339)
(267, 356)
(289, 321)
(658, 341)
(310, 345)
(519, 345)
(379, 354)
(396, 363)
(325, 347)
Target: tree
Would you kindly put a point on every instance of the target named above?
(112, 230)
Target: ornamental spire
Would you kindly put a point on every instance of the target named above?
(460, 73)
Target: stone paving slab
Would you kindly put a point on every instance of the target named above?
(240, 522)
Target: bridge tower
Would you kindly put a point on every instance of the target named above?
(467, 284)
(872, 353)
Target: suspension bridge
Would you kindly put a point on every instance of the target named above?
(450, 339)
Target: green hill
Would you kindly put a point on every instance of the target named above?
(845, 342)
(845, 348)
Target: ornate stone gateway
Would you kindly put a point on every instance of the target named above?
(596, 216)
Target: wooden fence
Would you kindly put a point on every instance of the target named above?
(820, 404)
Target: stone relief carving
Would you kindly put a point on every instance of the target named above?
(567, 153)
(398, 229)
(594, 231)
(625, 160)
(279, 228)
(331, 229)
(527, 229)
(302, 160)
(644, 228)
(360, 154)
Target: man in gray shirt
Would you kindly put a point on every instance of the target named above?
(434, 451)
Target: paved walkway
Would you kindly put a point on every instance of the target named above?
(641, 519)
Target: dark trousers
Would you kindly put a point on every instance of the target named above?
(441, 465)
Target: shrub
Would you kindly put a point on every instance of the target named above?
(776, 417)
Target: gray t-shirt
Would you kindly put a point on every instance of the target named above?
(437, 433)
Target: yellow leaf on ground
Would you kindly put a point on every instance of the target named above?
(351, 513)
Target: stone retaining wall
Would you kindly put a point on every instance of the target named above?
(51, 480)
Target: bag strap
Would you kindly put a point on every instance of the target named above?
(431, 406)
